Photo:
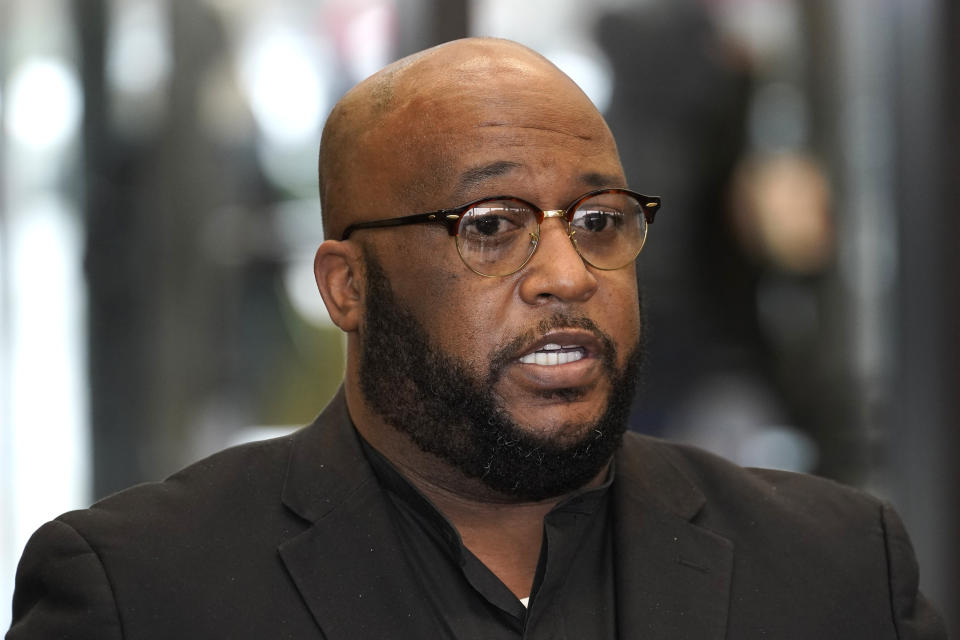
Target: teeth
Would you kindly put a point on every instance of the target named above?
(552, 356)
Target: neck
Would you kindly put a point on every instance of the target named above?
(502, 532)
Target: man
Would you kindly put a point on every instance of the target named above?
(472, 479)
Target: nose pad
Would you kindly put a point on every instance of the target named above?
(568, 230)
(572, 234)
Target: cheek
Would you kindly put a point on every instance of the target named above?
(620, 305)
(446, 298)
(472, 318)
(469, 319)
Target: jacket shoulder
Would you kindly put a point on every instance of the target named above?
(250, 474)
(798, 539)
(742, 494)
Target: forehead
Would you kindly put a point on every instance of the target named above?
(482, 111)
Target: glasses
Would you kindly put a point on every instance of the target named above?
(497, 236)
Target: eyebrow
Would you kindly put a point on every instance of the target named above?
(599, 180)
(478, 175)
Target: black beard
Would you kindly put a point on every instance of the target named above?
(447, 411)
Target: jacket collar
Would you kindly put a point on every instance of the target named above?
(348, 566)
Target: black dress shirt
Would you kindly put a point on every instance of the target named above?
(573, 589)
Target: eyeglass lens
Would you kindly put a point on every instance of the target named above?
(497, 237)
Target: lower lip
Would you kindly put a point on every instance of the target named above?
(580, 373)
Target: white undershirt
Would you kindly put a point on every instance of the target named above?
(525, 601)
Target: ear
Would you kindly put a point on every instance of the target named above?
(336, 267)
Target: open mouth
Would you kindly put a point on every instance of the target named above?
(567, 358)
(552, 354)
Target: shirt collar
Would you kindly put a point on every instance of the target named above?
(585, 501)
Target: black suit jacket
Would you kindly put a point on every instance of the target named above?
(291, 538)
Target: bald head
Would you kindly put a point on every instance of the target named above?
(394, 141)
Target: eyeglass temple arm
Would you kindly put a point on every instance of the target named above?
(449, 220)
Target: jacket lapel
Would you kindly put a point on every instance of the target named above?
(348, 566)
(673, 577)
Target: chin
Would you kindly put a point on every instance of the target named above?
(559, 423)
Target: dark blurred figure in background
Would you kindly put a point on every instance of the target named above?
(681, 125)
(679, 108)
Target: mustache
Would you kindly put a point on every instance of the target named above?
(502, 357)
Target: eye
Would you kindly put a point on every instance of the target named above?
(491, 222)
(489, 225)
(598, 219)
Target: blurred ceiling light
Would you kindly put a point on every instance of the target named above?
(138, 48)
(591, 72)
(368, 40)
(47, 309)
(769, 29)
(280, 75)
(44, 104)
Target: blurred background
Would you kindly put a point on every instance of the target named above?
(158, 216)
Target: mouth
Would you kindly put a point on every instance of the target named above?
(553, 354)
(559, 348)
(566, 361)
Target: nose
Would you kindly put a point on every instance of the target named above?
(556, 272)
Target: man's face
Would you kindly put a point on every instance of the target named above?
(523, 131)
(446, 410)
